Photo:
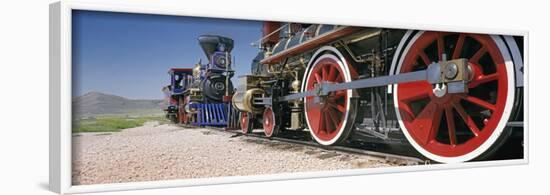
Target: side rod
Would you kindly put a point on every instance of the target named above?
(326, 88)
(451, 72)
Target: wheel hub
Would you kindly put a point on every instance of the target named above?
(440, 90)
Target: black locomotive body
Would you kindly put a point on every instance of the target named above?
(453, 97)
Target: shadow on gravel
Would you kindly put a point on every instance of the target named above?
(315, 152)
(327, 155)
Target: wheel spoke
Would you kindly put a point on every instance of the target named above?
(451, 125)
(414, 90)
(427, 122)
(317, 77)
(458, 47)
(483, 79)
(324, 73)
(480, 102)
(338, 79)
(339, 94)
(321, 124)
(407, 109)
(329, 126)
(333, 107)
(341, 108)
(326, 122)
(476, 71)
(475, 58)
(334, 118)
(440, 47)
(467, 119)
(424, 57)
(487, 78)
(338, 107)
(332, 73)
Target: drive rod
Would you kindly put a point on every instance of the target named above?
(453, 71)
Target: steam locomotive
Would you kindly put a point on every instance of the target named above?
(201, 95)
(453, 97)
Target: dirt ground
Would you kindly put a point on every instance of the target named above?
(163, 152)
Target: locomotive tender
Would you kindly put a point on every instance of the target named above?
(454, 97)
(201, 95)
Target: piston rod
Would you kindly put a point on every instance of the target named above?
(454, 73)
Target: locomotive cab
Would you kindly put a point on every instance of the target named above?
(180, 79)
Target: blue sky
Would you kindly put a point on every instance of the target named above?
(129, 54)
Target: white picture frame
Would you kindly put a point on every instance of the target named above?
(60, 97)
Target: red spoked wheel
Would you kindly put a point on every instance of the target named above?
(455, 127)
(271, 128)
(329, 118)
(246, 122)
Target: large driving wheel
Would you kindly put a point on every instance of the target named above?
(330, 118)
(456, 127)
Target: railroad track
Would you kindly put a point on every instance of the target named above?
(301, 138)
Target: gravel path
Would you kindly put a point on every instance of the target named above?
(161, 152)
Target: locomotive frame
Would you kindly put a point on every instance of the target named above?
(60, 99)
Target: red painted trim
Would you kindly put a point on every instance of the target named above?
(227, 98)
(268, 28)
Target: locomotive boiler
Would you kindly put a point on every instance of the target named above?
(453, 97)
(201, 95)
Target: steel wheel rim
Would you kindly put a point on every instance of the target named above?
(451, 108)
(327, 122)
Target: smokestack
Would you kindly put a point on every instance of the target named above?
(210, 44)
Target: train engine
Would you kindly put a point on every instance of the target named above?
(453, 97)
(203, 93)
(180, 81)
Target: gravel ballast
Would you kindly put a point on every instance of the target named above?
(163, 152)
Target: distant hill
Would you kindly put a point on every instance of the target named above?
(96, 103)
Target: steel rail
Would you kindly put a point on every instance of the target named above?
(390, 158)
